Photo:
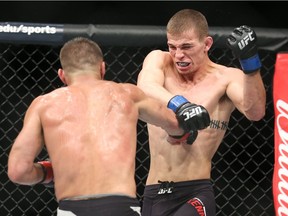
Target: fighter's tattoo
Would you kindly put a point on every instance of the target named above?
(217, 124)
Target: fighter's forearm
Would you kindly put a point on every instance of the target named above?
(254, 98)
(243, 44)
(157, 92)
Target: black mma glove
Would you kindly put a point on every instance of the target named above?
(243, 43)
(191, 117)
(48, 176)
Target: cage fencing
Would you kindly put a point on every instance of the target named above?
(243, 165)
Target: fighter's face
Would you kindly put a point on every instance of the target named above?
(187, 51)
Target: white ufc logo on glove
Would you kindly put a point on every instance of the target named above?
(191, 113)
(245, 40)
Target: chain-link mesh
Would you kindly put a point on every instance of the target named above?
(242, 167)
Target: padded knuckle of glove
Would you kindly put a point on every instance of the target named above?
(243, 44)
(197, 117)
(191, 117)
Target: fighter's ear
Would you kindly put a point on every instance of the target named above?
(102, 70)
(208, 43)
(61, 75)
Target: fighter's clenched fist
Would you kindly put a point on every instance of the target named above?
(243, 43)
(191, 117)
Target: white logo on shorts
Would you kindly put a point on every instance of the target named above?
(136, 209)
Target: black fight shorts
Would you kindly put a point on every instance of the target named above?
(102, 206)
(187, 198)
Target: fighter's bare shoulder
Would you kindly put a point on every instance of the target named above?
(132, 90)
(158, 58)
(155, 54)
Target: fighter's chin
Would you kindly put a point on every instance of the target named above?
(183, 70)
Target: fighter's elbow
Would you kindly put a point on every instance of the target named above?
(13, 175)
(16, 172)
(256, 115)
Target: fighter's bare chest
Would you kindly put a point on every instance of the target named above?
(199, 92)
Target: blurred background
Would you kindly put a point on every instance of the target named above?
(218, 13)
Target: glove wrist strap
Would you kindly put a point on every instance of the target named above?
(47, 172)
(251, 64)
(175, 102)
(184, 135)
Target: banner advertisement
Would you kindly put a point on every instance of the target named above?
(280, 99)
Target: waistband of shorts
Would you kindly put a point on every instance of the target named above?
(97, 202)
(95, 196)
(180, 183)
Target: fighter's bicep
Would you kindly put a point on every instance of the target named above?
(30, 138)
(152, 69)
